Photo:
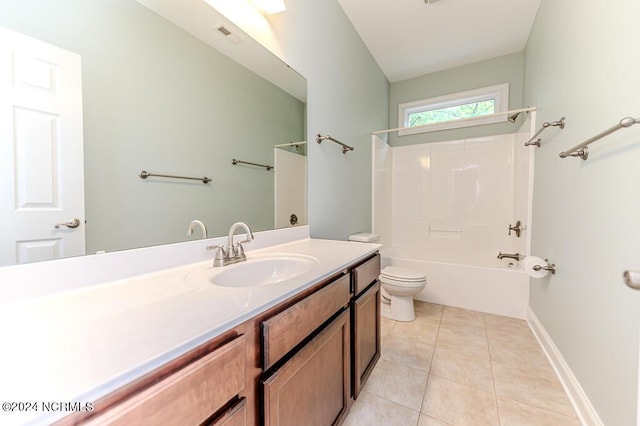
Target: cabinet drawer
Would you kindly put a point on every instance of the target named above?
(365, 274)
(284, 331)
(189, 396)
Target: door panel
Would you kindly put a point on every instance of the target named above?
(39, 250)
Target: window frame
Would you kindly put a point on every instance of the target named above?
(499, 92)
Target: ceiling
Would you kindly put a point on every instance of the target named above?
(409, 38)
(203, 21)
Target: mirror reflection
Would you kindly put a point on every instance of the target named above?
(290, 184)
(101, 91)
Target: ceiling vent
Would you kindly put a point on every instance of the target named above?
(228, 35)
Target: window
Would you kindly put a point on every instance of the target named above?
(443, 112)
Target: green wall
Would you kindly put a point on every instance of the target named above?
(156, 98)
(503, 69)
(348, 98)
(581, 64)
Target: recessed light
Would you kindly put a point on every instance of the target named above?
(270, 6)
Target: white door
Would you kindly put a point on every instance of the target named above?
(41, 151)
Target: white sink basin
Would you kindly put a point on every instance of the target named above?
(257, 270)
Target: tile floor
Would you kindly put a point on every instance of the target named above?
(453, 366)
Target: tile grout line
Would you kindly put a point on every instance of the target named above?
(435, 346)
(493, 377)
(429, 371)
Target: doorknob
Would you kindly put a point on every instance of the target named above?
(71, 223)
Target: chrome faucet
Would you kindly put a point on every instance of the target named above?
(515, 256)
(202, 226)
(237, 251)
(232, 253)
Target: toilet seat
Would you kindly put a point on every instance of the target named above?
(402, 276)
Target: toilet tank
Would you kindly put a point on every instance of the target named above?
(364, 237)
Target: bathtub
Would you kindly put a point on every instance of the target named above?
(493, 288)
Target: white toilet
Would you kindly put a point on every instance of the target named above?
(399, 285)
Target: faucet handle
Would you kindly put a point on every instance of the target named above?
(220, 257)
(240, 251)
(249, 238)
(517, 229)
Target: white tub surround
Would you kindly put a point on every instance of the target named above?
(454, 199)
(445, 209)
(80, 345)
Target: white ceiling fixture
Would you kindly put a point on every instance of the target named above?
(411, 38)
(270, 6)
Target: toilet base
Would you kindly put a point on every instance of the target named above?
(400, 308)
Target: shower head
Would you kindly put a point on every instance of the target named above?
(512, 118)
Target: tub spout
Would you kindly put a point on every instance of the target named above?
(515, 256)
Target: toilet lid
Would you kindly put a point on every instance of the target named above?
(402, 274)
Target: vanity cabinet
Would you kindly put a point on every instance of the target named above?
(312, 387)
(365, 322)
(300, 362)
(284, 331)
(316, 384)
(306, 358)
(192, 394)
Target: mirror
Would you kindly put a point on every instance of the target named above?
(158, 98)
(290, 184)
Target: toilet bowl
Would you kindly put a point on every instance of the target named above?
(399, 285)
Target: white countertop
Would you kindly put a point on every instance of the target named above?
(82, 344)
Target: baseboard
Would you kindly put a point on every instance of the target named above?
(585, 411)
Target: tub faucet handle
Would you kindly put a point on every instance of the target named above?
(517, 228)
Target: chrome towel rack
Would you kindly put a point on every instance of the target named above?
(535, 140)
(145, 174)
(345, 147)
(236, 162)
(582, 150)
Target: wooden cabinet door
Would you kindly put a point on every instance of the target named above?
(366, 336)
(312, 388)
